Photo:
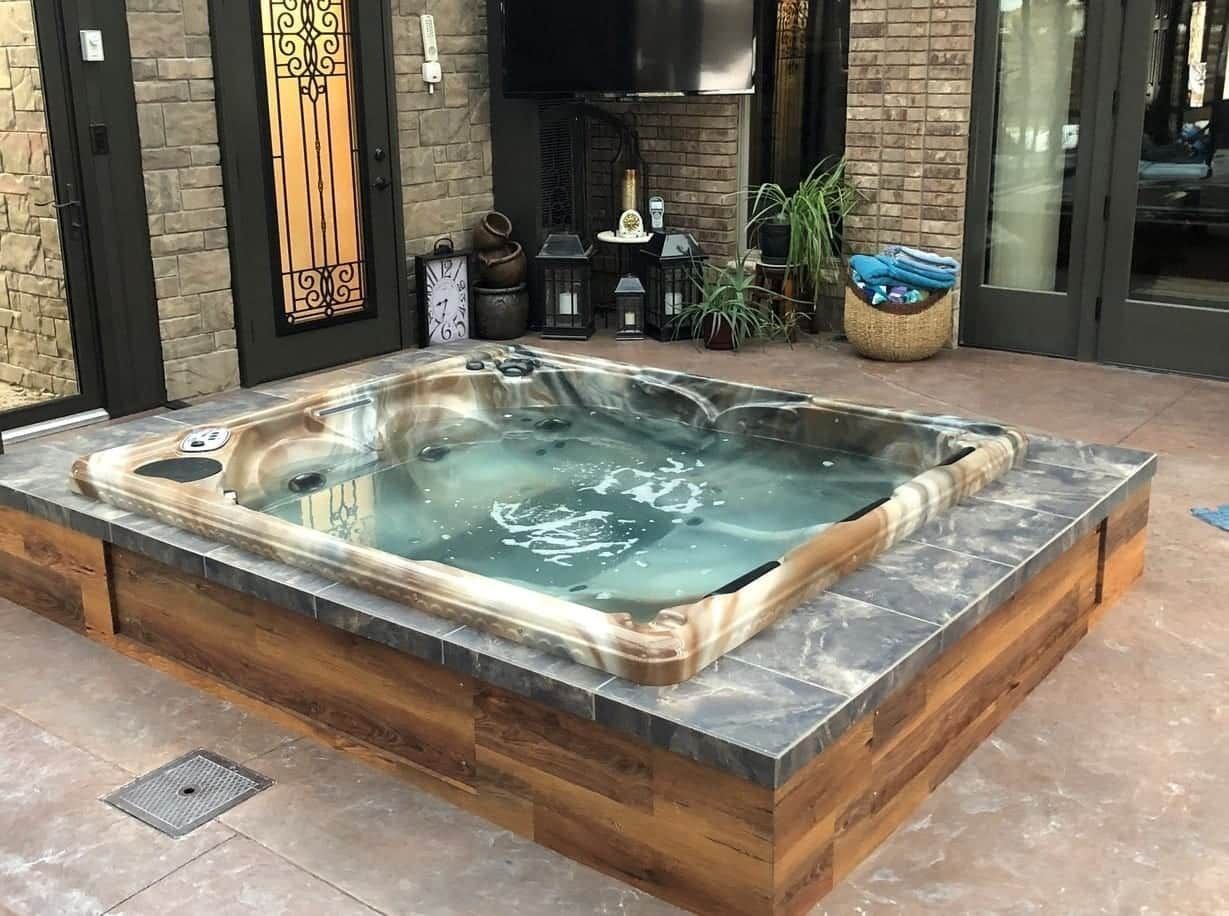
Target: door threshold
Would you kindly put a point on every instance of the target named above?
(55, 425)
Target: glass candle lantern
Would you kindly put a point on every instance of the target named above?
(672, 264)
(629, 308)
(565, 271)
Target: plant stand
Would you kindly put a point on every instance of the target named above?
(779, 280)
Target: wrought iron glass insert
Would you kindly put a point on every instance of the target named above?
(312, 119)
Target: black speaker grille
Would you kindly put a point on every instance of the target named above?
(556, 182)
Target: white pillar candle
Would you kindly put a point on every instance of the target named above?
(567, 303)
(674, 299)
(629, 319)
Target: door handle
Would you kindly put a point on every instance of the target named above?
(381, 183)
(75, 222)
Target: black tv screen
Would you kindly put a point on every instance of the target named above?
(628, 46)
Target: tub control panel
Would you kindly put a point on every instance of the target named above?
(205, 439)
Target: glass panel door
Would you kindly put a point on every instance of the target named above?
(1036, 144)
(310, 168)
(1031, 174)
(1166, 285)
(314, 156)
(42, 257)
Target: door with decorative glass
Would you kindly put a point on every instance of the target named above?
(309, 168)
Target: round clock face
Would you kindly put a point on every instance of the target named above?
(447, 299)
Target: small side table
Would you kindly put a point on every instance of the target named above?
(625, 249)
(779, 280)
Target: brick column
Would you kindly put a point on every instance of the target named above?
(910, 90)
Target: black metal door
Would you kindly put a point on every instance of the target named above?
(64, 350)
(311, 182)
(1166, 275)
(1044, 71)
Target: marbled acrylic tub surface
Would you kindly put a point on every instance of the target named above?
(638, 521)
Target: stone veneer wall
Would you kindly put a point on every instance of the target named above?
(444, 147)
(444, 139)
(690, 149)
(173, 71)
(910, 87)
(35, 333)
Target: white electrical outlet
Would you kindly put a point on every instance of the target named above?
(430, 48)
(91, 45)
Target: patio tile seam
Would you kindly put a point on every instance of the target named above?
(178, 868)
(297, 866)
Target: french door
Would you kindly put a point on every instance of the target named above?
(1166, 276)
(1096, 224)
(311, 182)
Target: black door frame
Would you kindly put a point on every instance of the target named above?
(1060, 324)
(1140, 333)
(265, 354)
(100, 199)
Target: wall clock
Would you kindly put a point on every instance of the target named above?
(443, 294)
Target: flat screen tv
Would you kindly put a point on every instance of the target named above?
(628, 46)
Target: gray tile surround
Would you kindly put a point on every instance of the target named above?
(764, 710)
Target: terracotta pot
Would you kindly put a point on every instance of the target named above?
(493, 232)
(503, 267)
(501, 314)
(717, 333)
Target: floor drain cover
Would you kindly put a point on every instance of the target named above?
(179, 796)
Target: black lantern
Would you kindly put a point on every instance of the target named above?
(629, 308)
(673, 265)
(564, 285)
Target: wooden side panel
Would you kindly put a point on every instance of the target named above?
(55, 571)
(850, 799)
(1122, 553)
(418, 711)
(676, 829)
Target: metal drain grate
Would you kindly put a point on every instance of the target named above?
(179, 796)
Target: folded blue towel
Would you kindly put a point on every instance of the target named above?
(940, 279)
(880, 271)
(926, 258)
(1218, 517)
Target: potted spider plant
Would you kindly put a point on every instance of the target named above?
(727, 315)
(814, 212)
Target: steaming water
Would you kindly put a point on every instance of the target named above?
(607, 509)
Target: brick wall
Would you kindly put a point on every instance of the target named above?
(173, 70)
(690, 151)
(910, 85)
(444, 139)
(35, 334)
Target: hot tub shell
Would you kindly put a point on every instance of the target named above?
(393, 414)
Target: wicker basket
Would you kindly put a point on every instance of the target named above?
(897, 332)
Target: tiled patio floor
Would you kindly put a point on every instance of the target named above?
(1107, 791)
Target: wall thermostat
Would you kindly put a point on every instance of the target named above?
(657, 213)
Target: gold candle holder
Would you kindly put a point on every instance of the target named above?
(631, 190)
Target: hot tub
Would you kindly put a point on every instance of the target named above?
(639, 521)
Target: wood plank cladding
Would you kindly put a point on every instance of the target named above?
(698, 837)
(58, 572)
(419, 711)
(1123, 544)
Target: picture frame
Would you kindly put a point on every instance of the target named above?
(445, 305)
